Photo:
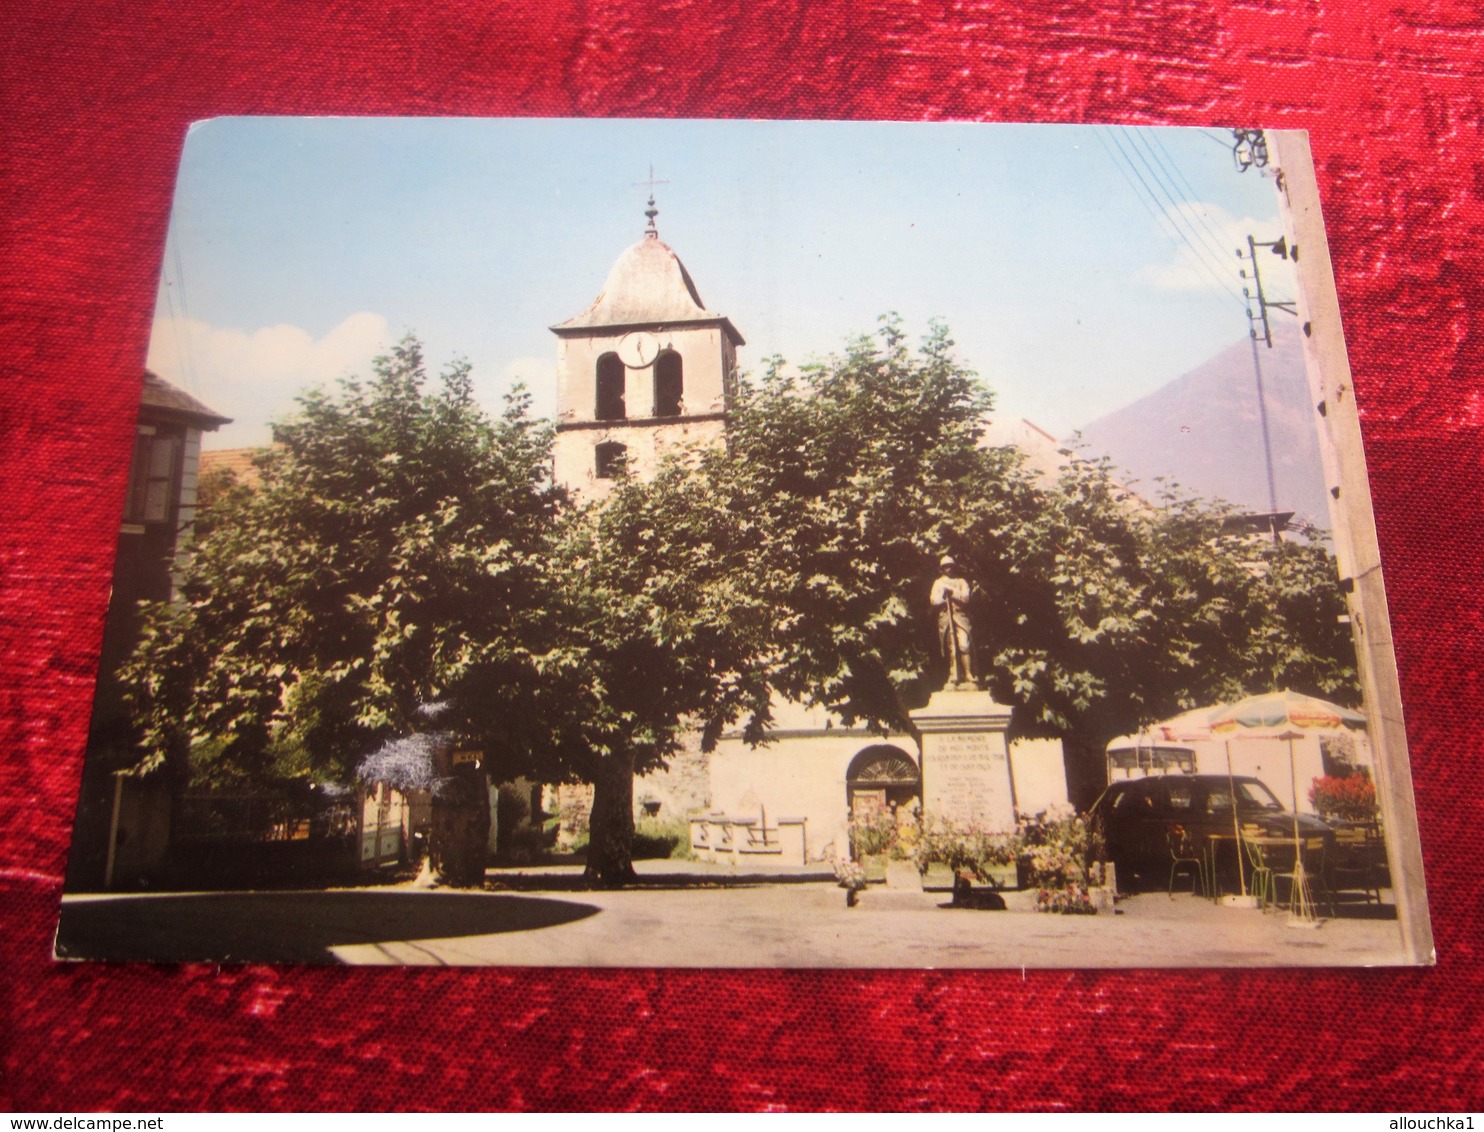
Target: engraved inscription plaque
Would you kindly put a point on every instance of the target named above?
(966, 779)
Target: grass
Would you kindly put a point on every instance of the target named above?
(656, 839)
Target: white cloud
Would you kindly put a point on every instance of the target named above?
(538, 375)
(1206, 256)
(254, 376)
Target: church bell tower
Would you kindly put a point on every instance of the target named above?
(645, 368)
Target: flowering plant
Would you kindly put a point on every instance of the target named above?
(850, 875)
(967, 850)
(874, 834)
(907, 835)
(1060, 851)
(1069, 901)
(1352, 798)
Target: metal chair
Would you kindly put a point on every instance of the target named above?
(1354, 864)
(1264, 883)
(1185, 853)
(1307, 864)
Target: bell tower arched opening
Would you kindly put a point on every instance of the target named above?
(669, 385)
(611, 379)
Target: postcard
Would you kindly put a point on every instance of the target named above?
(746, 544)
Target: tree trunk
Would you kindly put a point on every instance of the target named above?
(459, 838)
(1086, 765)
(610, 847)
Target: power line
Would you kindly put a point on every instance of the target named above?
(1126, 166)
(1149, 208)
(1166, 186)
(1126, 178)
(1189, 189)
(1172, 216)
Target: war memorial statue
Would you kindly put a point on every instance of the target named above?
(950, 598)
(966, 774)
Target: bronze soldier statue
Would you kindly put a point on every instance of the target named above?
(950, 597)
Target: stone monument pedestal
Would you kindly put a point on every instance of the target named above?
(967, 778)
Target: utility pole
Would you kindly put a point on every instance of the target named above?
(1279, 248)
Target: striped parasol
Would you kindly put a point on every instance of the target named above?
(1282, 715)
(1285, 715)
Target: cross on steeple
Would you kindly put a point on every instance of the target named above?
(651, 231)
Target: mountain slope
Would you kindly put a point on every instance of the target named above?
(1203, 432)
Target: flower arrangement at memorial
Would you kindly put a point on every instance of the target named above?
(1069, 901)
(908, 834)
(1060, 855)
(1060, 850)
(966, 850)
(1352, 798)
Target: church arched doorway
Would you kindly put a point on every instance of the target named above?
(882, 778)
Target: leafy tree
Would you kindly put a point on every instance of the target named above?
(657, 634)
(392, 554)
(781, 563)
(1097, 612)
(1110, 613)
(846, 477)
(401, 549)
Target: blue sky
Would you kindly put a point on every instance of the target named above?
(1061, 257)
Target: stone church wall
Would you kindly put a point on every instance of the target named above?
(669, 795)
(800, 776)
(575, 449)
(681, 789)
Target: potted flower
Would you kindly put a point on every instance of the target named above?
(851, 876)
(1351, 798)
(872, 837)
(1061, 857)
(968, 853)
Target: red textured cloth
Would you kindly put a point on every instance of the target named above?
(94, 100)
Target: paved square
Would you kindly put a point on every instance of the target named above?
(690, 915)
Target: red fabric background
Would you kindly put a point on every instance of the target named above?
(94, 99)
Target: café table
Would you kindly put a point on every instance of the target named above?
(1214, 841)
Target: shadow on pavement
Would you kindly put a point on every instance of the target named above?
(574, 882)
(289, 927)
(1349, 906)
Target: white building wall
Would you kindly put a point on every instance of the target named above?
(1267, 761)
(1039, 769)
(798, 776)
